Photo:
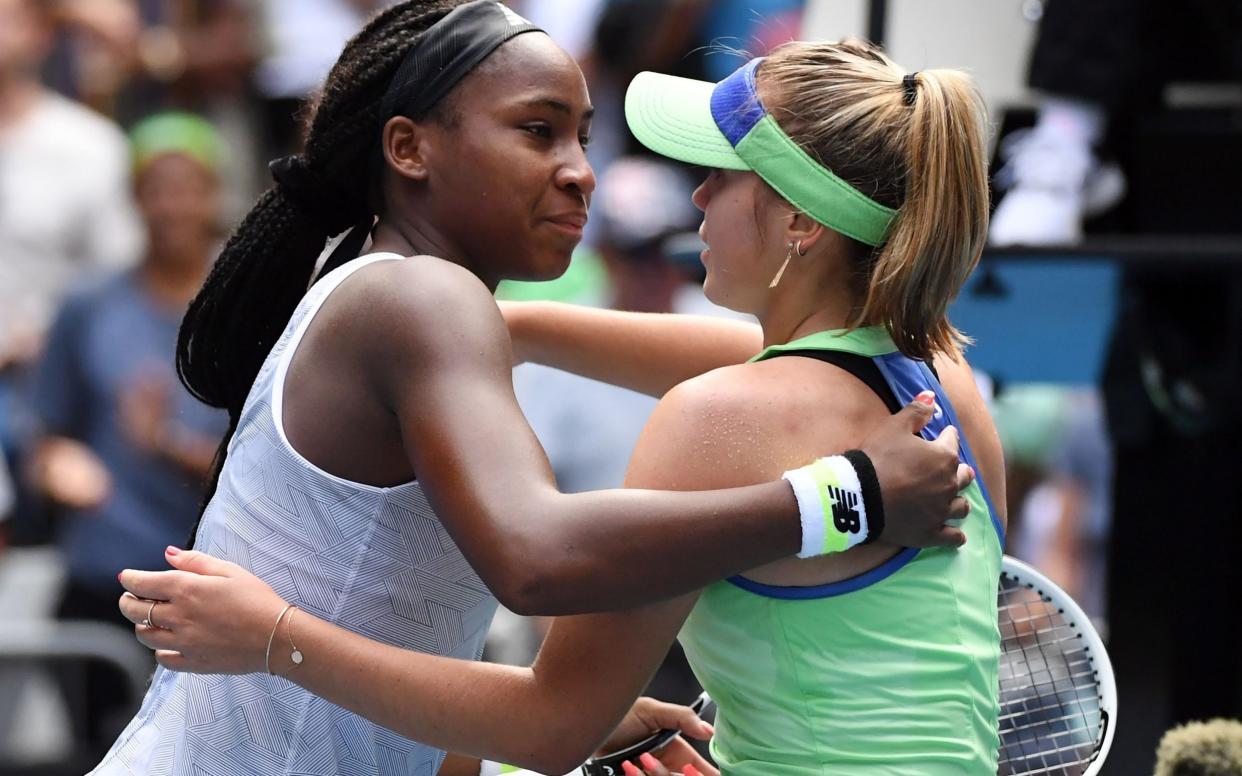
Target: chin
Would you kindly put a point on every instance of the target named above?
(549, 267)
(723, 298)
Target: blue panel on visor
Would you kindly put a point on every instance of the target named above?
(736, 108)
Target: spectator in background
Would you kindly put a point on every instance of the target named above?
(123, 448)
(65, 211)
(1096, 65)
(302, 38)
(689, 38)
(132, 58)
(65, 205)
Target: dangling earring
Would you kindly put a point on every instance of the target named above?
(781, 271)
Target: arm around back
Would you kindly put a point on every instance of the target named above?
(440, 358)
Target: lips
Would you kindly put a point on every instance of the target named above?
(574, 220)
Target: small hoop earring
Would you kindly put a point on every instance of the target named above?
(800, 251)
(781, 271)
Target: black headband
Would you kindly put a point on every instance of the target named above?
(446, 52)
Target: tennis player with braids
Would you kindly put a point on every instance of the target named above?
(380, 476)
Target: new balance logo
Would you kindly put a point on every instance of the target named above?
(845, 514)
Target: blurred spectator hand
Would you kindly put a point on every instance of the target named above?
(69, 473)
(21, 341)
(144, 409)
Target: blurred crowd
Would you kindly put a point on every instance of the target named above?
(134, 132)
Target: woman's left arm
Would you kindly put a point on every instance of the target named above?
(219, 618)
(215, 617)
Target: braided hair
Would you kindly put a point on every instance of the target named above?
(265, 267)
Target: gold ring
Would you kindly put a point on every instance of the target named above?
(147, 622)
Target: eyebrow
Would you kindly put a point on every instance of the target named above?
(559, 105)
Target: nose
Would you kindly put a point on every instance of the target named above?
(700, 197)
(576, 174)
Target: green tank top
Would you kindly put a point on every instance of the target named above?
(890, 672)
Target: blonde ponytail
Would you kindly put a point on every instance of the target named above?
(917, 146)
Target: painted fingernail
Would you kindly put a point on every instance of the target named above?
(118, 575)
(926, 397)
(711, 731)
(630, 769)
(690, 770)
(171, 550)
(649, 762)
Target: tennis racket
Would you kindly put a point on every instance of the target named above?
(1058, 698)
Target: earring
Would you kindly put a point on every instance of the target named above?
(781, 271)
(799, 249)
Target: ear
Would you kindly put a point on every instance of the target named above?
(801, 228)
(407, 145)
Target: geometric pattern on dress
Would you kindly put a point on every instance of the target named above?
(377, 561)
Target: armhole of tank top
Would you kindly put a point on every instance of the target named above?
(968, 455)
(871, 372)
(323, 289)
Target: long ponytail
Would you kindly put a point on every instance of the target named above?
(914, 144)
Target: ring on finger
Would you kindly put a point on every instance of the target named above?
(148, 622)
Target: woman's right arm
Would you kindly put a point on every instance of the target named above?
(645, 352)
(433, 342)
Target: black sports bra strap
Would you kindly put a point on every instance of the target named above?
(862, 367)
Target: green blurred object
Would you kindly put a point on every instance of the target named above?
(1030, 419)
(585, 282)
(175, 133)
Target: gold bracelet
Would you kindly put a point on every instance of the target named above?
(267, 658)
(295, 654)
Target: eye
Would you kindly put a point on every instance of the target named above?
(539, 130)
(584, 141)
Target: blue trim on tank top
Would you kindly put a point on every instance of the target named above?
(865, 579)
(906, 378)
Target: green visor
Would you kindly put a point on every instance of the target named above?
(726, 126)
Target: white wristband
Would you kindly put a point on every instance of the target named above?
(830, 505)
(489, 768)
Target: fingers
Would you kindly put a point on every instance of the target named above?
(152, 585)
(680, 757)
(949, 439)
(200, 563)
(156, 638)
(958, 508)
(650, 766)
(948, 536)
(965, 476)
(174, 661)
(917, 414)
(671, 716)
(134, 608)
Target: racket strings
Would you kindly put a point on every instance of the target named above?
(1050, 705)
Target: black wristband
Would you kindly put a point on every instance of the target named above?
(873, 501)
